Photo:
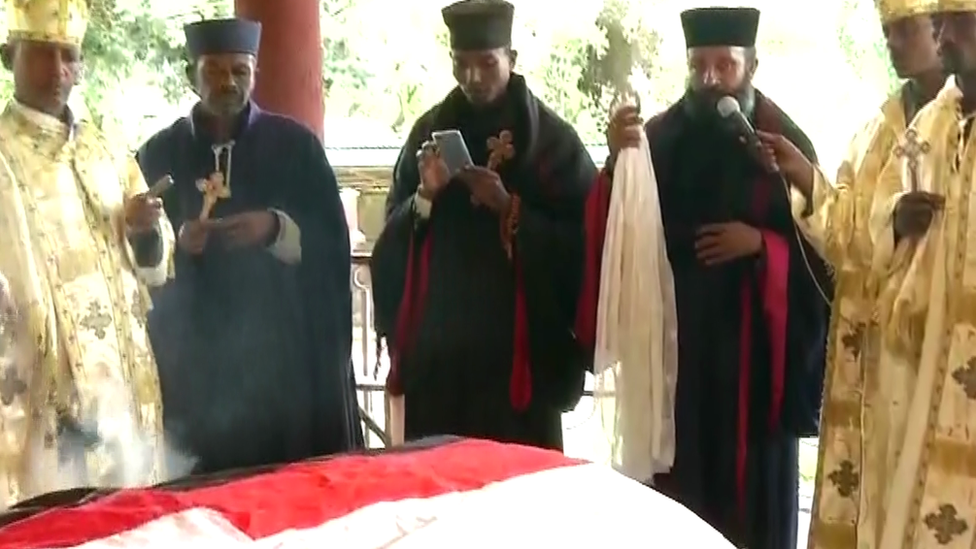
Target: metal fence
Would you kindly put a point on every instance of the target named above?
(372, 364)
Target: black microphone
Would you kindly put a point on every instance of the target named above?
(731, 113)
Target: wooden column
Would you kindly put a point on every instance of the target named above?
(289, 77)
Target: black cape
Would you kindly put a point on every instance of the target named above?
(482, 345)
(751, 332)
(254, 354)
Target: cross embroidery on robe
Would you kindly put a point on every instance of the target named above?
(96, 320)
(966, 378)
(946, 524)
(852, 340)
(844, 479)
(912, 150)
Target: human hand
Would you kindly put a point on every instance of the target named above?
(193, 236)
(248, 229)
(623, 131)
(720, 243)
(142, 211)
(914, 213)
(486, 188)
(434, 174)
(780, 154)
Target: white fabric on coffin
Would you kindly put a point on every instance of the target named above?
(636, 357)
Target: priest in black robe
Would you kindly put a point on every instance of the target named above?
(752, 314)
(253, 337)
(476, 277)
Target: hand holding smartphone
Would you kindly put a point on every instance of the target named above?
(453, 151)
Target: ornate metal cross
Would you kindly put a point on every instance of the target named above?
(213, 188)
(912, 150)
(500, 149)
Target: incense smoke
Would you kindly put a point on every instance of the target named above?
(112, 431)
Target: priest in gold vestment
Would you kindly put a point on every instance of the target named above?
(835, 218)
(80, 238)
(917, 487)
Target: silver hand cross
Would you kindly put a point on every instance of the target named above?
(912, 149)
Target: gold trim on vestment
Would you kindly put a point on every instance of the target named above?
(890, 10)
(956, 5)
(57, 21)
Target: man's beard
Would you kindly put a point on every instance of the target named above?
(227, 104)
(953, 61)
(701, 104)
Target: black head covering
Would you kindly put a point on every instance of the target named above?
(222, 36)
(479, 24)
(720, 27)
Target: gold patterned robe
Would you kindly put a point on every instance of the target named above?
(837, 224)
(919, 419)
(87, 366)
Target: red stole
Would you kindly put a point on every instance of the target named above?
(410, 316)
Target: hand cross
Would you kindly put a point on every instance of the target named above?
(213, 189)
(912, 150)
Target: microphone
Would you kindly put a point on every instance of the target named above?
(731, 113)
(729, 110)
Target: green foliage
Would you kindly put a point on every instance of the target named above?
(122, 43)
(859, 37)
(606, 67)
(342, 66)
(379, 74)
(386, 61)
(562, 68)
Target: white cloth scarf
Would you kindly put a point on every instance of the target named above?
(636, 360)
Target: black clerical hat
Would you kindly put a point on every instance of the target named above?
(222, 36)
(479, 24)
(720, 27)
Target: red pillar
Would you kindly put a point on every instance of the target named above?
(289, 77)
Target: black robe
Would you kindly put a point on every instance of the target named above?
(254, 354)
(482, 345)
(751, 333)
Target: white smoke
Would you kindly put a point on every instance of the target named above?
(129, 455)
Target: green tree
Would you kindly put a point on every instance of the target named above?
(628, 45)
(571, 102)
(126, 39)
(859, 36)
(134, 46)
(342, 66)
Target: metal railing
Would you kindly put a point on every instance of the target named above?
(372, 364)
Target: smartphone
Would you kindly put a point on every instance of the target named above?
(453, 150)
(161, 186)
